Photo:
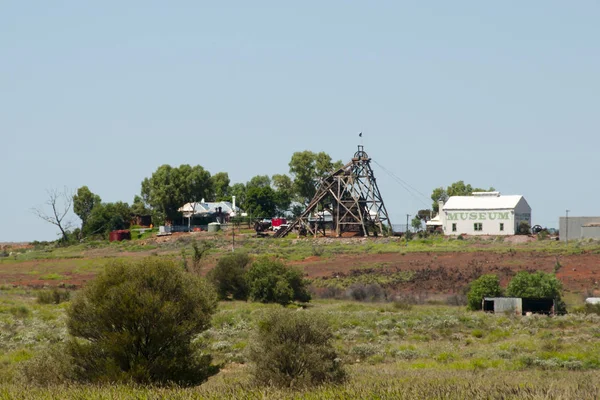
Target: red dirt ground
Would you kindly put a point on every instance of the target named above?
(449, 272)
(434, 272)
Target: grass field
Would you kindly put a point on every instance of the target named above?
(391, 349)
(293, 249)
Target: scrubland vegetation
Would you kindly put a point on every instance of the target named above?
(389, 349)
(371, 341)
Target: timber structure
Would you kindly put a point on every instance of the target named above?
(348, 200)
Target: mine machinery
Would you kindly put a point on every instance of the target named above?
(347, 202)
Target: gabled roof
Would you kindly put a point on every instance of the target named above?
(435, 221)
(482, 201)
(207, 208)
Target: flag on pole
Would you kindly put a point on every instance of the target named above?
(360, 134)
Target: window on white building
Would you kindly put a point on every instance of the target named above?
(501, 226)
(478, 226)
(453, 227)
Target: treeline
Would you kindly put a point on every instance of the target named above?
(169, 188)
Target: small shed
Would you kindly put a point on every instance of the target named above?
(503, 304)
(518, 305)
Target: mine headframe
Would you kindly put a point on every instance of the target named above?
(348, 200)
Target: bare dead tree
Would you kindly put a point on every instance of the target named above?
(60, 203)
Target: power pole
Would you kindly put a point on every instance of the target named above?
(567, 227)
(407, 215)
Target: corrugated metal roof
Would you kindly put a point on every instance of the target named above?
(435, 221)
(207, 208)
(482, 202)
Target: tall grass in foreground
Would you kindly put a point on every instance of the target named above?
(370, 382)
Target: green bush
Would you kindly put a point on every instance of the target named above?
(20, 312)
(524, 228)
(484, 286)
(370, 292)
(534, 285)
(136, 321)
(54, 296)
(587, 309)
(51, 366)
(537, 285)
(271, 281)
(294, 349)
(229, 276)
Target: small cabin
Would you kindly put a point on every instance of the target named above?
(518, 305)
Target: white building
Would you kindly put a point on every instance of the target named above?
(207, 209)
(484, 213)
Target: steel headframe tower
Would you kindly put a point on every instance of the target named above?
(348, 200)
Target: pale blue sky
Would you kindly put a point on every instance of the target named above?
(502, 94)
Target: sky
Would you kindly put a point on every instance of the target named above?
(503, 94)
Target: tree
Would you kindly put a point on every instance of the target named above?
(239, 191)
(137, 321)
(284, 191)
(307, 169)
(458, 188)
(220, 184)
(107, 217)
(229, 276)
(416, 223)
(60, 203)
(271, 281)
(259, 181)
(260, 202)
(84, 202)
(537, 285)
(139, 207)
(484, 286)
(170, 188)
(424, 215)
(534, 285)
(295, 349)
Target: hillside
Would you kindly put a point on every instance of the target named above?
(437, 266)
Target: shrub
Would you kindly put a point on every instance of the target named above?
(328, 292)
(370, 292)
(136, 321)
(484, 286)
(402, 305)
(543, 235)
(317, 251)
(271, 281)
(294, 349)
(20, 312)
(557, 266)
(478, 333)
(524, 228)
(534, 285)
(54, 296)
(591, 309)
(457, 300)
(537, 285)
(229, 276)
(51, 366)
